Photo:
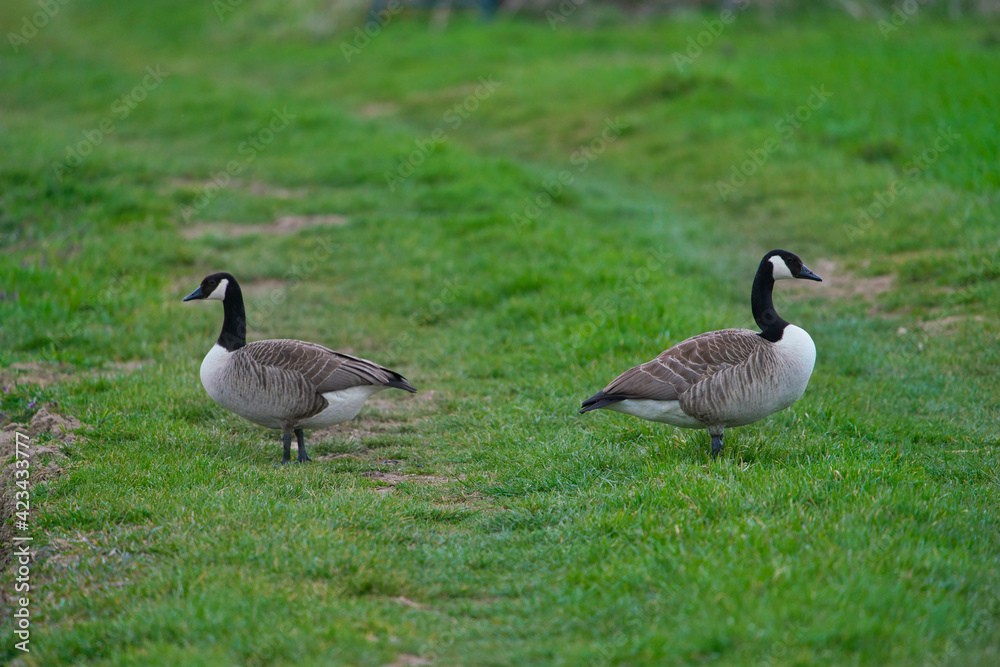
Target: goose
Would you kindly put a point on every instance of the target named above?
(283, 384)
(725, 378)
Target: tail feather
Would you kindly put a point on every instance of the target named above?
(600, 400)
(399, 382)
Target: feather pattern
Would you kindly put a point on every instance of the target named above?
(675, 371)
(322, 368)
(284, 384)
(725, 378)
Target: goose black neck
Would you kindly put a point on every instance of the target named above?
(771, 325)
(234, 325)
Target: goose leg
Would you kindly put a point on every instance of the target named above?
(716, 434)
(301, 437)
(286, 440)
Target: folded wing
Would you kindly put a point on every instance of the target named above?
(321, 368)
(675, 371)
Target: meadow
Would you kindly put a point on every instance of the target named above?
(509, 214)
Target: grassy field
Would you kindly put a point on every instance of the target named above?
(509, 215)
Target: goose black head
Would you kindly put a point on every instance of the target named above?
(785, 264)
(212, 287)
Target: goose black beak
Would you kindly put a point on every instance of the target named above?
(805, 274)
(195, 295)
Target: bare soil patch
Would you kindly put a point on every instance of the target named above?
(356, 431)
(378, 109)
(253, 187)
(284, 225)
(35, 372)
(407, 602)
(43, 373)
(407, 660)
(947, 325)
(266, 287)
(839, 283)
(389, 480)
(59, 431)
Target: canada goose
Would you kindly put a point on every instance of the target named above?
(286, 384)
(723, 378)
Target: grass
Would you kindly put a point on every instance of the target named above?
(858, 527)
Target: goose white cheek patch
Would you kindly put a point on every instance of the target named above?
(780, 270)
(220, 291)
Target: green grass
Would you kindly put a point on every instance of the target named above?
(858, 527)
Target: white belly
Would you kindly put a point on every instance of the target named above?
(344, 405)
(271, 411)
(773, 388)
(667, 412)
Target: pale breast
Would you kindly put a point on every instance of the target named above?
(264, 395)
(774, 377)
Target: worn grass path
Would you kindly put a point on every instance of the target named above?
(512, 272)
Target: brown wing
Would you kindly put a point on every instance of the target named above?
(685, 364)
(322, 368)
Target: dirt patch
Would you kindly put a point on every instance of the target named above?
(284, 225)
(344, 455)
(839, 284)
(356, 431)
(60, 429)
(407, 602)
(37, 373)
(43, 374)
(378, 109)
(407, 660)
(389, 480)
(128, 366)
(66, 553)
(947, 325)
(253, 187)
(268, 287)
(389, 401)
(265, 190)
